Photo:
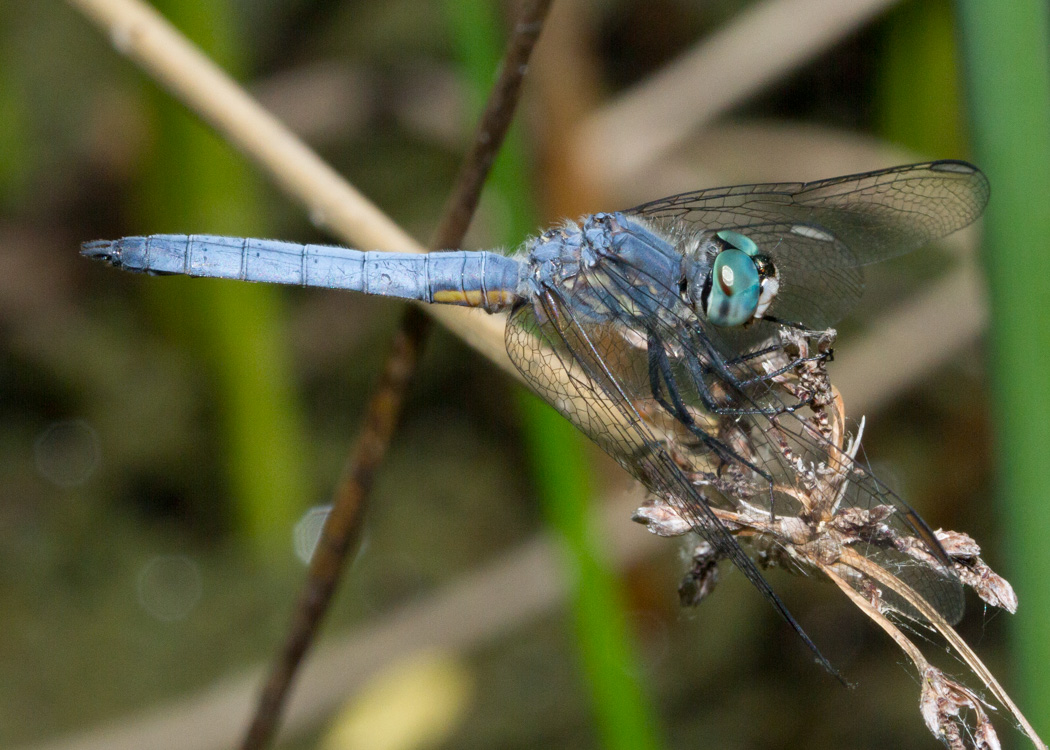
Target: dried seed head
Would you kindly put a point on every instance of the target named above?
(819, 511)
(975, 573)
(968, 566)
(942, 705)
(702, 576)
(957, 544)
(660, 518)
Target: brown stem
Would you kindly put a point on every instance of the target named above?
(341, 530)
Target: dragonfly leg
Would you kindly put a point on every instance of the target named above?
(744, 359)
(660, 377)
(765, 377)
(719, 367)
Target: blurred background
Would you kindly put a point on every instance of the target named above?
(169, 445)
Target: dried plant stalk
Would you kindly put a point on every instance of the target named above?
(862, 547)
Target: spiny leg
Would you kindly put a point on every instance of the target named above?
(720, 367)
(751, 356)
(661, 376)
(726, 544)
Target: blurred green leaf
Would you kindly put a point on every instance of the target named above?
(1007, 54)
(16, 157)
(557, 450)
(919, 89)
(197, 184)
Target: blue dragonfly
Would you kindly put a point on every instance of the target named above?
(653, 330)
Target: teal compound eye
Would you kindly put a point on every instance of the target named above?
(735, 287)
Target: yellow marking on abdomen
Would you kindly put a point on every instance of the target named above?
(472, 298)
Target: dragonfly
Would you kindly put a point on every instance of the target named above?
(650, 329)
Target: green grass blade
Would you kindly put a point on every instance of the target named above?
(1006, 47)
(624, 716)
(557, 450)
(919, 102)
(198, 184)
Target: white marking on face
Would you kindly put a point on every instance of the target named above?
(770, 287)
(727, 276)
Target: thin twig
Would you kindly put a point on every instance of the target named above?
(492, 127)
(341, 529)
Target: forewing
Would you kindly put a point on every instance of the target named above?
(588, 371)
(596, 370)
(877, 215)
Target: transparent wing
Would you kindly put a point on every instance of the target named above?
(583, 368)
(770, 445)
(877, 215)
(614, 379)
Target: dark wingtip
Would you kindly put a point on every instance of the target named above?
(954, 165)
(104, 250)
(982, 190)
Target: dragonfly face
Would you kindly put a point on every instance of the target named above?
(741, 284)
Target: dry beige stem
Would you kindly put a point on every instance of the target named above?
(876, 573)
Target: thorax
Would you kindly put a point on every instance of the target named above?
(610, 265)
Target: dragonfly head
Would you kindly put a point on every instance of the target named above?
(740, 285)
